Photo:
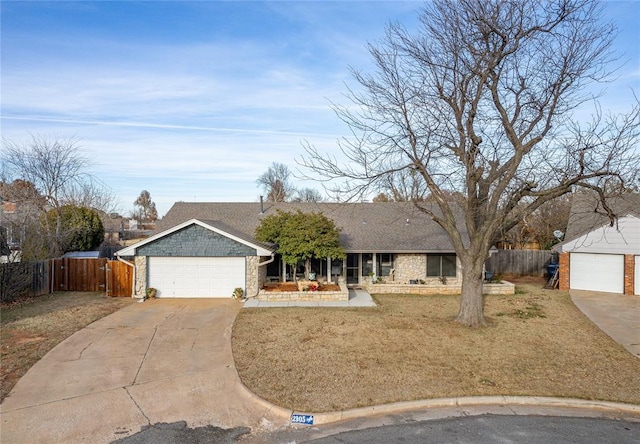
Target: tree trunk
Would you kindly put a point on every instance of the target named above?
(471, 311)
(307, 268)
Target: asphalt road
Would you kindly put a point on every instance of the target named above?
(494, 429)
(497, 429)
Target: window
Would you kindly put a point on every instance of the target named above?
(367, 264)
(385, 264)
(441, 265)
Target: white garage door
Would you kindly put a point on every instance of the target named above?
(597, 272)
(196, 277)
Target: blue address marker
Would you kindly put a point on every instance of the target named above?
(302, 419)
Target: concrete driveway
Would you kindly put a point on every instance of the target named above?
(159, 361)
(617, 315)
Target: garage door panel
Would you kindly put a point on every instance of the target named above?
(196, 276)
(597, 272)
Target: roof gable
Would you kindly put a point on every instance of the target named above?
(588, 214)
(209, 241)
(622, 238)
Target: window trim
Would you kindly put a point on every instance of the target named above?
(441, 257)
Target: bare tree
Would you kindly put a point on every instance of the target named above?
(539, 227)
(277, 183)
(479, 102)
(307, 195)
(145, 208)
(58, 171)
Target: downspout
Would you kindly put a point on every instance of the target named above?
(133, 289)
(260, 264)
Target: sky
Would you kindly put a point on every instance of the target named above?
(193, 101)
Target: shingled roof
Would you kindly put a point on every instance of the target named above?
(587, 212)
(392, 227)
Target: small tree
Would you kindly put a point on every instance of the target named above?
(301, 237)
(50, 173)
(81, 229)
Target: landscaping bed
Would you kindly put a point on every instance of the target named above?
(32, 327)
(303, 291)
(409, 347)
(292, 286)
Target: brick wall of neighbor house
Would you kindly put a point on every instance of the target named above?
(564, 259)
(251, 275)
(629, 269)
(195, 240)
(409, 266)
(140, 284)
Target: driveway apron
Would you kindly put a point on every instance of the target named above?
(159, 361)
(618, 315)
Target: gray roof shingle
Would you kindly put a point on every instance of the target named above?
(392, 227)
(587, 212)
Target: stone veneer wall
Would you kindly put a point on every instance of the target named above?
(251, 275)
(414, 266)
(409, 266)
(305, 296)
(503, 287)
(140, 285)
(262, 273)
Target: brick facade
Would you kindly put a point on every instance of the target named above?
(564, 271)
(629, 273)
(629, 269)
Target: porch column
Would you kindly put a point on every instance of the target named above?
(284, 271)
(328, 269)
(374, 266)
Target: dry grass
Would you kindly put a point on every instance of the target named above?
(34, 326)
(327, 359)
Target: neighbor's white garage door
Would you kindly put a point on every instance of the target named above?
(597, 272)
(196, 277)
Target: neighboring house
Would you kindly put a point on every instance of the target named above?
(597, 256)
(208, 249)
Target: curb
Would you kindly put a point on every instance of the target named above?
(469, 401)
(270, 407)
(531, 401)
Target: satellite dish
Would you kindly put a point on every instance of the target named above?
(558, 234)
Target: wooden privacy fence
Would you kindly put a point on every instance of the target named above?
(24, 279)
(71, 274)
(520, 262)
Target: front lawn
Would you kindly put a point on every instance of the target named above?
(34, 326)
(408, 348)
